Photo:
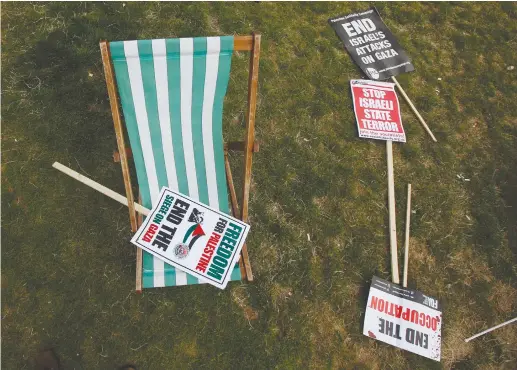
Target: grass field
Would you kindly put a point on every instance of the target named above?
(67, 265)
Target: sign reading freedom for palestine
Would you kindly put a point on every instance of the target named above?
(377, 110)
(404, 318)
(193, 237)
(371, 44)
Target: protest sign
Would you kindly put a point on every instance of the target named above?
(377, 110)
(404, 318)
(193, 237)
(371, 44)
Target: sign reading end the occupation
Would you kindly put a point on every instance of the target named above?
(193, 237)
(377, 110)
(404, 318)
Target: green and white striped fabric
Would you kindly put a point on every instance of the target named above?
(172, 93)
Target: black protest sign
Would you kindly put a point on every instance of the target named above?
(371, 44)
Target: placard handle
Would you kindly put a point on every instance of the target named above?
(100, 188)
(406, 242)
(413, 108)
(393, 224)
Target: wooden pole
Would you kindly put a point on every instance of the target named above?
(393, 224)
(100, 188)
(139, 255)
(235, 208)
(117, 122)
(250, 138)
(489, 330)
(406, 242)
(413, 108)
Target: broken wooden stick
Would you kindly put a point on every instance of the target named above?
(413, 108)
(489, 330)
(406, 242)
(100, 188)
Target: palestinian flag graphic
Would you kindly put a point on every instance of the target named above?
(194, 232)
(191, 236)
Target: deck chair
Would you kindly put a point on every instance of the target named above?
(172, 92)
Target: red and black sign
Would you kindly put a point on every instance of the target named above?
(377, 110)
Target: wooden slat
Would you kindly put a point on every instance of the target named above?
(115, 112)
(250, 137)
(243, 43)
(231, 187)
(235, 206)
(139, 260)
(100, 188)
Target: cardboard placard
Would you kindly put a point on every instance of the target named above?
(404, 318)
(371, 44)
(193, 237)
(377, 110)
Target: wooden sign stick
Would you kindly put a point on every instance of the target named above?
(489, 330)
(393, 224)
(100, 188)
(413, 108)
(406, 242)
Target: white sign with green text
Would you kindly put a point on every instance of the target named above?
(193, 237)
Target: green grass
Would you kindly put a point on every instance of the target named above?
(67, 265)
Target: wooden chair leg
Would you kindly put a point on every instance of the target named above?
(117, 122)
(244, 263)
(138, 283)
(250, 137)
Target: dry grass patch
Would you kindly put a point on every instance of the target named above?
(507, 337)
(454, 348)
(470, 266)
(275, 211)
(279, 295)
(421, 257)
(326, 335)
(266, 259)
(188, 348)
(376, 355)
(241, 297)
(503, 297)
(213, 25)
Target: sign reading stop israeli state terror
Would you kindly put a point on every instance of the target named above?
(193, 237)
(404, 318)
(377, 110)
(371, 44)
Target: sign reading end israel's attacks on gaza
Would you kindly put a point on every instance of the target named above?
(371, 44)
(193, 237)
(404, 318)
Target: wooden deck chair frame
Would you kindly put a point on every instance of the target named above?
(248, 146)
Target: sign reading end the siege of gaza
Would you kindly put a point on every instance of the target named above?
(377, 110)
(404, 318)
(371, 44)
(193, 237)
